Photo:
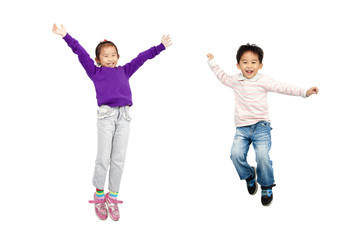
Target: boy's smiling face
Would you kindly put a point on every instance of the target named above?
(249, 64)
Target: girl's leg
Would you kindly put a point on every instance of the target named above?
(106, 129)
(118, 153)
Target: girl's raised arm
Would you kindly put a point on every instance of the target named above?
(83, 56)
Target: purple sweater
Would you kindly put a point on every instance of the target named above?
(111, 84)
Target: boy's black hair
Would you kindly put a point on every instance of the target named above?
(103, 44)
(250, 48)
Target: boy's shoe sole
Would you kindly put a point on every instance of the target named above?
(266, 204)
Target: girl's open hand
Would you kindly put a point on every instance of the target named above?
(210, 56)
(311, 91)
(59, 31)
(166, 40)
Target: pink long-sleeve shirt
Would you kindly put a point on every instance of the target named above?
(251, 94)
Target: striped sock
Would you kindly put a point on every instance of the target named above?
(100, 193)
(113, 194)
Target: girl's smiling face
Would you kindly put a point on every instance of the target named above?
(249, 64)
(108, 57)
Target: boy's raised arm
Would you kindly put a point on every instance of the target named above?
(220, 74)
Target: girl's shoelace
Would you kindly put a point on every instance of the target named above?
(97, 201)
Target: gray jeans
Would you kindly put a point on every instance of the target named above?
(113, 134)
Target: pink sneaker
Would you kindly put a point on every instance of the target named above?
(100, 207)
(113, 207)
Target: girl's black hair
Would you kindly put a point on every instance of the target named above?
(250, 48)
(103, 44)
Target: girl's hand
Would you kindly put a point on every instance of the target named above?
(210, 56)
(59, 31)
(166, 41)
(311, 91)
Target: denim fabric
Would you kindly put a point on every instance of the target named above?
(259, 135)
(113, 133)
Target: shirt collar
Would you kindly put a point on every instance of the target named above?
(255, 78)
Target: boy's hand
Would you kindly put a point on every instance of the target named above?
(59, 31)
(166, 40)
(311, 91)
(210, 56)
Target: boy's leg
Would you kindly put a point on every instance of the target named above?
(262, 144)
(239, 153)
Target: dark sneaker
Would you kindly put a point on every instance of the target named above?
(267, 195)
(251, 183)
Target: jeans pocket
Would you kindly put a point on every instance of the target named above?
(126, 113)
(105, 111)
(266, 124)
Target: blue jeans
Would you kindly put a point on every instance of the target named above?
(259, 135)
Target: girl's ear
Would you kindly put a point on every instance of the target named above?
(97, 61)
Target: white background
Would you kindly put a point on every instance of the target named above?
(179, 182)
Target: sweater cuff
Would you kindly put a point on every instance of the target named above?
(67, 38)
(160, 47)
(212, 63)
(304, 93)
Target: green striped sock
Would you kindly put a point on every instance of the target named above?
(113, 194)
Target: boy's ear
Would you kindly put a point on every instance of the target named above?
(97, 60)
(238, 66)
(260, 66)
